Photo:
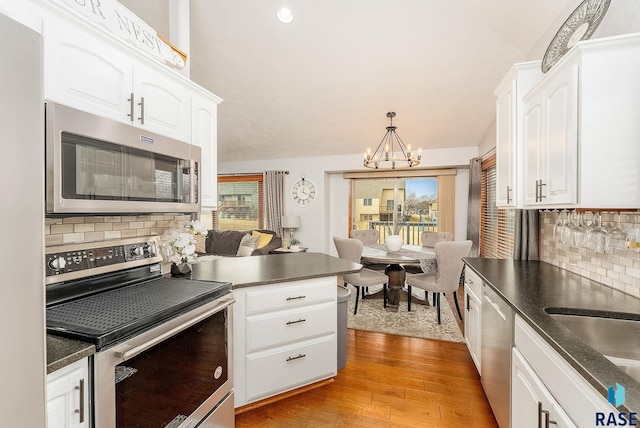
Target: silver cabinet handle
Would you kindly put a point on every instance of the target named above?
(80, 388)
(541, 195)
(539, 414)
(547, 420)
(509, 190)
(295, 358)
(295, 322)
(141, 104)
(296, 297)
(131, 106)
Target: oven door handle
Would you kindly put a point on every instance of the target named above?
(132, 352)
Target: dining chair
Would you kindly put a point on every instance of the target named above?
(351, 249)
(429, 239)
(449, 255)
(367, 236)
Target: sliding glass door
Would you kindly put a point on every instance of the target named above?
(403, 206)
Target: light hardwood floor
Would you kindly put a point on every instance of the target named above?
(389, 381)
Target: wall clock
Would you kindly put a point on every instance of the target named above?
(579, 26)
(303, 191)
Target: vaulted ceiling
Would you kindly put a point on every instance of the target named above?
(323, 84)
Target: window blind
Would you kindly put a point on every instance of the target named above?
(496, 225)
(244, 178)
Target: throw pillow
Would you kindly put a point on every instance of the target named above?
(263, 238)
(247, 245)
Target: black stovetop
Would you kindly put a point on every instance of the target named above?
(107, 317)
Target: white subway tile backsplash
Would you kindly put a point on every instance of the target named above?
(619, 269)
(69, 230)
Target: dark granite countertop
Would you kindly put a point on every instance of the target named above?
(62, 351)
(271, 269)
(530, 287)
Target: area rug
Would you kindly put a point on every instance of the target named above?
(422, 321)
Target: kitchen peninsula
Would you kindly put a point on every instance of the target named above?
(284, 319)
(275, 268)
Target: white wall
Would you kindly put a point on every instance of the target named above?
(328, 216)
(22, 307)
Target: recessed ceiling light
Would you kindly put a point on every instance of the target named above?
(285, 15)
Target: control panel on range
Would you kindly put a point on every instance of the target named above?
(67, 259)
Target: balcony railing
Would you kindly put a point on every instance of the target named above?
(410, 231)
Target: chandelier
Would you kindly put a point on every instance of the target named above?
(391, 153)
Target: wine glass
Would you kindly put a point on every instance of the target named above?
(578, 231)
(566, 228)
(633, 239)
(589, 224)
(599, 237)
(618, 236)
(559, 226)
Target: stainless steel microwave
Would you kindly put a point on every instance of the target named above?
(97, 165)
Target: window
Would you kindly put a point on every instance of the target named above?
(497, 226)
(367, 202)
(240, 203)
(425, 201)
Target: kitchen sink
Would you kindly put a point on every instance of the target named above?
(615, 337)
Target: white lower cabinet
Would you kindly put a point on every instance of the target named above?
(284, 337)
(540, 374)
(68, 396)
(473, 316)
(284, 368)
(532, 405)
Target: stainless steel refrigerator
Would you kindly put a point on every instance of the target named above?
(22, 302)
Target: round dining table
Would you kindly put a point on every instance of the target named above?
(406, 255)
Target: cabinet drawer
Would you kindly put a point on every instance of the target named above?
(293, 294)
(289, 326)
(286, 368)
(473, 281)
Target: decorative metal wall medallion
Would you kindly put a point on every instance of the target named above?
(579, 26)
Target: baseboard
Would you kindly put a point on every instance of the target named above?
(282, 396)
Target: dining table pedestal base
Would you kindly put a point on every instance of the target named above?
(397, 275)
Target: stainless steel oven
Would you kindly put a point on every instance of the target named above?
(164, 345)
(98, 165)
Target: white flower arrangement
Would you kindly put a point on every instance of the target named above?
(179, 245)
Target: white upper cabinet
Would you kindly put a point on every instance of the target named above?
(161, 101)
(84, 72)
(204, 135)
(96, 75)
(550, 139)
(91, 70)
(576, 138)
(509, 113)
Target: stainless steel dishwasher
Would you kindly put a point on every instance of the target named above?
(497, 341)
